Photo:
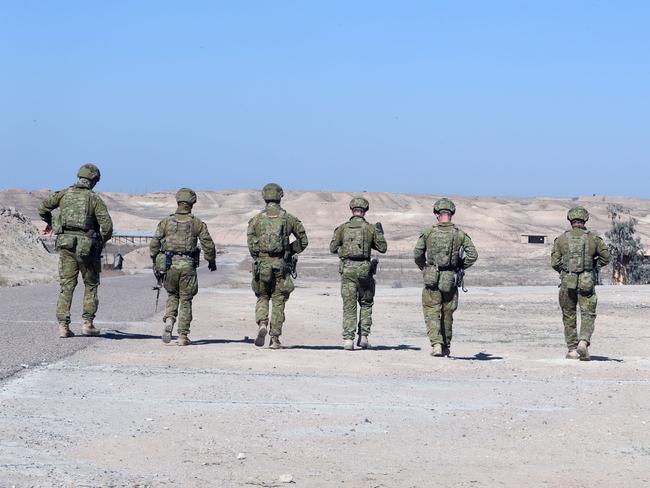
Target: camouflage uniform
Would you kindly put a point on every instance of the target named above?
(82, 227)
(353, 241)
(176, 238)
(576, 255)
(440, 293)
(268, 243)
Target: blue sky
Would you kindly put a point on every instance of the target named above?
(473, 98)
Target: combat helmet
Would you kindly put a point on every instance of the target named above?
(359, 202)
(90, 172)
(272, 192)
(444, 204)
(577, 213)
(186, 195)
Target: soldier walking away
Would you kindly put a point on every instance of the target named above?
(175, 258)
(354, 241)
(442, 252)
(577, 255)
(273, 261)
(82, 227)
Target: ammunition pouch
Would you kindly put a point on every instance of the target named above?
(85, 247)
(66, 241)
(161, 264)
(431, 275)
(586, 283)
(447, 281)
(570, 281)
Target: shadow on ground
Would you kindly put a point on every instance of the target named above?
(481, 356)
(605, 358)
(119, 335)
(204, 342)
(400, 347)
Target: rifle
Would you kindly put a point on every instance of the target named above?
(159, 281)
(291, 265)
(374, 264)
(460, 272)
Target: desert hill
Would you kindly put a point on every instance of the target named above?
(492, 222)
(495, 224)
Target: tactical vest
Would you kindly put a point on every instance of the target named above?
(272, 233)
(443, 246)
(76, 210)
(180, 236)
(576, 259)
(355, 241)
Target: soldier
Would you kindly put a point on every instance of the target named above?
(268, 242)
(442, 251)
(577, 255)
(353, 241)
(175, 254)
(82, 227)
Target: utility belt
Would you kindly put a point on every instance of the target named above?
(78, 232)
(270, 255)
(357, 260)
(444, 268)
(182, 256)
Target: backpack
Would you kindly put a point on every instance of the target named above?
(75, 210)
(180, 236)
(576, 259)
(272, 233)
(356, 242)
(443, 247)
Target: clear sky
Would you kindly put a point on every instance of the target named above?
(456, 97)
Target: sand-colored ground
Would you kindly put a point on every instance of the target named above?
(506, 410)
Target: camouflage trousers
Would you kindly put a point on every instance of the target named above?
(69, 268)
(271, 284)
(357, 286)
(439, 308)
(569, 301)
(182, 285)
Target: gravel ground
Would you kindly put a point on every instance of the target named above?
(505, 410)
(29, 327)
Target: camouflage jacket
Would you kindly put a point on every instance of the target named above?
(199, 232)
(596, 249)
(420, 251)
(102, 223)
(376, 239)
(294, 227)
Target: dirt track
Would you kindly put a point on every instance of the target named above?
(506, 410)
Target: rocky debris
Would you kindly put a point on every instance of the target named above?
(23, 256)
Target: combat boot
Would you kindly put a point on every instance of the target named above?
(261, 333)
(446, 351)
(348, 344)
(583, 351)
(167, 331)
(572, 354)
(363, 342)
(436, 350)
(64, 331)
(89, 329)
(183, 340)
(275, 343)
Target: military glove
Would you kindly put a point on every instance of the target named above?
(379, 227)
(212, 265)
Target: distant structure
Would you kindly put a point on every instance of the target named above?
(132, 237)
(533, 239)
